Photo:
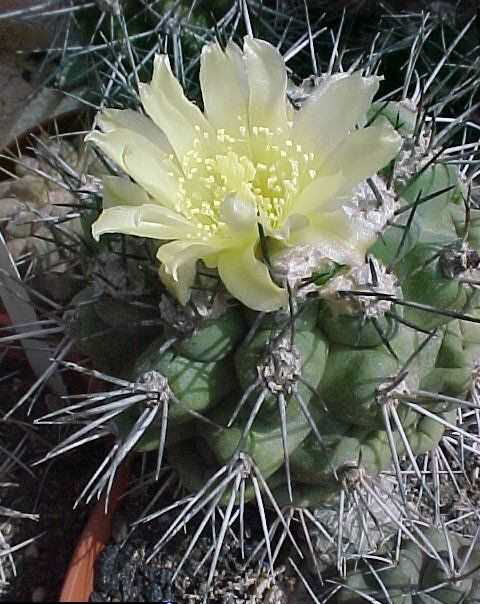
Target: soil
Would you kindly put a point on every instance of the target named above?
(124, 573)
(49, 491)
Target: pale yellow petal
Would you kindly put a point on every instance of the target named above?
(121, 191)
(156, 174)
(181, 120)
(143, 221)
(175, 254)
(114, 119)
(112, 143)
(363, 153)
(248, 280)
(142, 160)
(267, 82)
(224, 84)
(334, 108)
(180, 288)
(319, 194)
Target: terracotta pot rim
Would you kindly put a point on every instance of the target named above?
(79, 578)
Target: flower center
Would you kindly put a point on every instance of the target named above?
(260, 169)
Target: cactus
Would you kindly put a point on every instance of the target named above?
(299, 359)
(446, 573)
(39, 220)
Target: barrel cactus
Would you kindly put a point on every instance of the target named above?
(39, 220)
(299, 316)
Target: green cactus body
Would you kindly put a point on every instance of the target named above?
(263, 443)
(434, 220)
(427, 432)
(421, 575)
(400, 579)
(424, 282)
(461, 343)
(188, 460)
(198, 386)
(356, 331)
(313, 463)
(214, 339)
(305, 319)
(352, 378)
(396, 242)
(308, 495)
(452, 593)
(457, 211)
(312, 348)
(400, 115)
(457, 358)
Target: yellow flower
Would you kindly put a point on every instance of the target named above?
(206, 181)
